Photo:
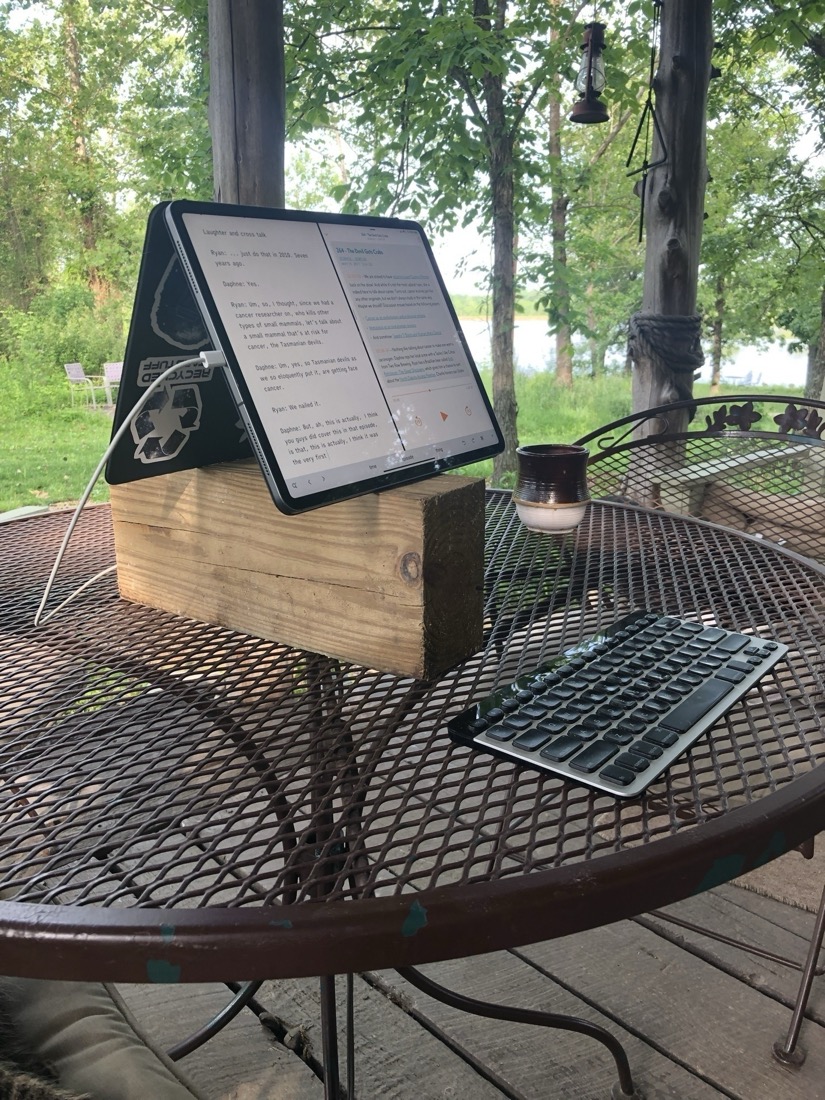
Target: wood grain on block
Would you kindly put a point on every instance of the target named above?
(391, 580)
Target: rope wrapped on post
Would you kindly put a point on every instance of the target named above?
(672, 343)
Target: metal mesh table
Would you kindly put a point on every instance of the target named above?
(181, 802)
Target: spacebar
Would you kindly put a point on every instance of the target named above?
(690, 710)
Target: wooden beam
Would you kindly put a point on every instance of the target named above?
(247, 100)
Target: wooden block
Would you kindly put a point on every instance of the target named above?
(391, 580)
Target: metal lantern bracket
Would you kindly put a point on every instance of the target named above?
(648, 115)
(646, 166)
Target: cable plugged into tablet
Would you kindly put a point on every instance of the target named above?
(207, 359)
(213, 359)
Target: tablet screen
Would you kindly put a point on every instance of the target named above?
(343, 347)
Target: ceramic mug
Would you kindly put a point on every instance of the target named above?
(551, 492)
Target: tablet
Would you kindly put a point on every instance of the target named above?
(343, 351)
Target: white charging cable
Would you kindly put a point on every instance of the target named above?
(208, 359)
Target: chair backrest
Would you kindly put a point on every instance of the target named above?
(75, 372)
(112, 371)
(755, 463)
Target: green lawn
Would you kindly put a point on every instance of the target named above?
(47, 458)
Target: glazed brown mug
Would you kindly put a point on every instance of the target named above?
(551, 492)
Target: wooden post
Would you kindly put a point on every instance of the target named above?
(246, 100)
(664, 340)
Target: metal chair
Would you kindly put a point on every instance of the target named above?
(111, 380)
(755, 463)
(78, 377)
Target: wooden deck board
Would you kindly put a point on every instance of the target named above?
(697, 1019)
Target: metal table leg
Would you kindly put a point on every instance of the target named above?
(786, 1052)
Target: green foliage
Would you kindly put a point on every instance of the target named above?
(102, 112)
(63, 325)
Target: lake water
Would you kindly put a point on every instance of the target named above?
(750, 366)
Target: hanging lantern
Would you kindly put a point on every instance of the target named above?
(590, 80)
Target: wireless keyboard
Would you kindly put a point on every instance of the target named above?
(614, 712)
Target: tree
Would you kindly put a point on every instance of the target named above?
(748, 251)
(665, 336)
(751, 34)
(82, 91)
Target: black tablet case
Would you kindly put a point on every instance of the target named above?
(188, 422)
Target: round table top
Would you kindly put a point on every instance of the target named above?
(182, 802)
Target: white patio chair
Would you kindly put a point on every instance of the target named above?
(78, 377)
(111, 379)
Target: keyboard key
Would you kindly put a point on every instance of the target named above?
(534, 710)
(617, 775)
(663, 738)
(617, 680)
(592, 758)
(692, 679)
(618, 737)
(712, 634)
(551, 726)
(580, 706)
(517, 722)
(648, 713)
(632, 725)
(582, 732)
(645, 748)
(671, 666)
(693, 708)
(732, 643)
(561, 692)
(532, 740)
(595, 696)
(731, 675)
(500, 733)
(632, 761)
(614, 713)
(590, 675)
(567, 715)
(667, 698)
(549, 678)
(561, 748)
(690, 628)
(594, 722)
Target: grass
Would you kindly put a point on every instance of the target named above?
(47, 457)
